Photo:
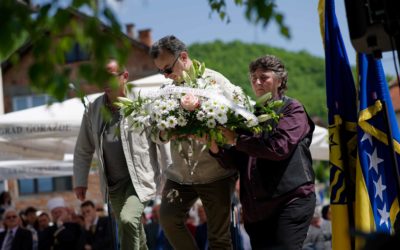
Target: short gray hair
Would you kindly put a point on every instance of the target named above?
(169, 43)
(10, 209)
(274, 64)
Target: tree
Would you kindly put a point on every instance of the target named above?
(27, 24)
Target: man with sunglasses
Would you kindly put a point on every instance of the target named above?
(128, 160)
(209, 182)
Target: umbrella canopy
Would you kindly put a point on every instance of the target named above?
(35, 142)
(319, 146)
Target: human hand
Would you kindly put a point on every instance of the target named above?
(65, 216)
(206, 139)
(229, 135)
(80, 193)
(88, 247)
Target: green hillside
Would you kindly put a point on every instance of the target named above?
(306, 81)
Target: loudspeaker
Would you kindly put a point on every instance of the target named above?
(374, 25)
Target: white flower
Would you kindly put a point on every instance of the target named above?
(155, 116)
(223, 108)
(182, 121)
(163, 108)
(172, 104)
(201, 83)
(211, 123)
(171, 121)
(221, 117)
(211, 115)
(200, 116)
(162, 125)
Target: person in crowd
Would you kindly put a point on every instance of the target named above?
(201, 228)
(244, 236)
(14, 237)
(194, 173)
(315, 236)
(98, 232)
(43, 221)
(326, 226)
(129, 167)
(276, 175)
(78, 219)
(63, 234)
(31, 225)
(154, 233)
(5, 201)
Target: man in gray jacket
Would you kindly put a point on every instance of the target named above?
(194, 173)
(128, 161)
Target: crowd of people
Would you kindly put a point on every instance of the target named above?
(276, 201)
(59, 227)
(91, 227)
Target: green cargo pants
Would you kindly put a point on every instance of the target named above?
(128, 212)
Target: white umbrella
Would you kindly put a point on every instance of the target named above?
(42, 132)
(34, 142)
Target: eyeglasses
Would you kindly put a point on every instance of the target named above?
(11, 217)
(169, 70)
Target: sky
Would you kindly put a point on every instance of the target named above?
(192, 21)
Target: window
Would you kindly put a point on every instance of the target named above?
(2, 186)
(76, 54)
(44, 185)
(29, 101)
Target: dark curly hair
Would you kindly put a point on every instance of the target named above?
(274, 64)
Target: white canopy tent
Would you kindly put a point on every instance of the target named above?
(319, 146)
(37, 142)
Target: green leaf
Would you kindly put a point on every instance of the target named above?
(263, 99)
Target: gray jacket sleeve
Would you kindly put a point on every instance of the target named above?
(83, 154)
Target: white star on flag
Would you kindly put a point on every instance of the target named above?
(384, 216)
(374, 161)
(368, 137)
(379, 187)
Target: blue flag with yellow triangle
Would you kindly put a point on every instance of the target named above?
(378, 149)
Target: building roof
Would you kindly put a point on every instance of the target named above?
(26, 44)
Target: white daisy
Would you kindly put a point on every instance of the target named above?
(200, 116)
(162, 125)
(221, 117)
(172, 121)
(182, 121)
(211, 123)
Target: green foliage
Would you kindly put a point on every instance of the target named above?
(52, 32)
(321, 170)
(306, 78)
(256, 11)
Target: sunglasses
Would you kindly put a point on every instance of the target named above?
(11, 217)
(169, 70)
